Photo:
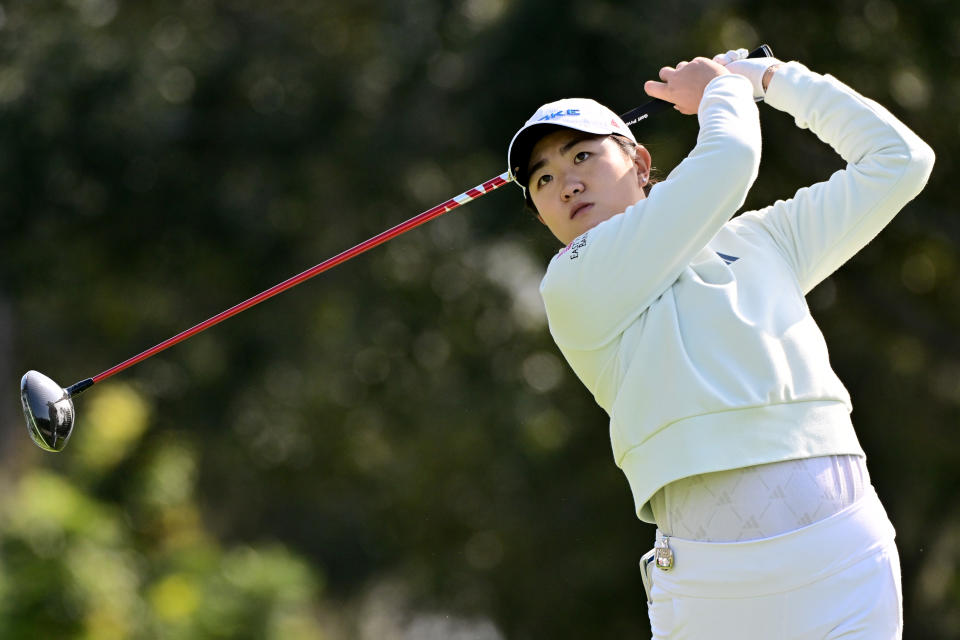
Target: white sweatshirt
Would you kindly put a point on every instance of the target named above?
(691, 329)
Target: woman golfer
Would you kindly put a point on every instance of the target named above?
(691, 330)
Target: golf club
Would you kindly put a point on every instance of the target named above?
(48, 408)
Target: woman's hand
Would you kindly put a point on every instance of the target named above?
(758, 71)
(683, 86)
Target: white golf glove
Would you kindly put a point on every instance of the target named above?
(736, 61)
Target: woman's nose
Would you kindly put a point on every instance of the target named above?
(572, 188)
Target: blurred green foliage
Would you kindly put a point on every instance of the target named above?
(395, 450)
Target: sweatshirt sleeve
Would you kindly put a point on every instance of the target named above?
(608, 276)
(824, 225)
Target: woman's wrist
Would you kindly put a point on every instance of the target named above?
(768, 74)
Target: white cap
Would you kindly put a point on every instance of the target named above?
(582, 114)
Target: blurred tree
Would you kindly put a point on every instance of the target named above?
(395, 450)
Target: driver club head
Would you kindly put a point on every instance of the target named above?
(48, 409)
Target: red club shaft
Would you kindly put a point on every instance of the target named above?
(403, 227)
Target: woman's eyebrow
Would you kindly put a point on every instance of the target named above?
(563, 150)
(535, 167)
(571, 144)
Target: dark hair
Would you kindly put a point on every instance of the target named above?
(629, 148)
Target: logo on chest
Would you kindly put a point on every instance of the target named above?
(727, 259)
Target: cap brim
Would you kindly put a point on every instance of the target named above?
(522, 146)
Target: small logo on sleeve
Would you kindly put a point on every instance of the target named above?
(574, 247)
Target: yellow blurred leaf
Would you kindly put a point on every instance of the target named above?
(175, 597)
(114, 420)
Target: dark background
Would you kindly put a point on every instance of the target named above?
(395, 450)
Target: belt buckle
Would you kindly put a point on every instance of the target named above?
(663, 554)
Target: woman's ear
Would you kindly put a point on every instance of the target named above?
(643, 162)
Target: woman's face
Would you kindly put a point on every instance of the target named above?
(577, 182)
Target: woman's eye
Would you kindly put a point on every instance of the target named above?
(581, 156)
(543, 180)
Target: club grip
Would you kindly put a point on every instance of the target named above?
(657, 105)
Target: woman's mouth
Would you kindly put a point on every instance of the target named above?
(580, 208)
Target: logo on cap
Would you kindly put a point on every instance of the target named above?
(559, 114)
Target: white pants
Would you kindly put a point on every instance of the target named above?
(836, 578)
